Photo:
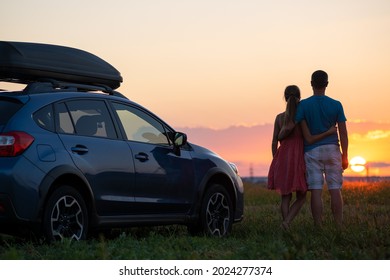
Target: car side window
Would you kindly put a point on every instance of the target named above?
(64, 122)
(85, 118)
(44, 118)
(139, 126)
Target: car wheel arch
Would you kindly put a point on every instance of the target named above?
(217, 176)
(64, 175)
(223, 180)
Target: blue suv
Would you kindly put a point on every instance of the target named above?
(76, 156)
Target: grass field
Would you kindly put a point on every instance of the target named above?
(365, 236)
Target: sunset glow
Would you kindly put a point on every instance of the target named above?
(217, 67)
(358, 164)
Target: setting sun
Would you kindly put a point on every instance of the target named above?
(358, 164)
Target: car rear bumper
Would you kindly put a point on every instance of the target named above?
(19, 189)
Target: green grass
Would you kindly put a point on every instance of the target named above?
(365, 236)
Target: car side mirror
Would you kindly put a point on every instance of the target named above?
(179, 140)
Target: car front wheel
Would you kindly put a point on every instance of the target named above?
(217, 211)
(65, 215)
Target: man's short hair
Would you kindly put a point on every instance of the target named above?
(319, 79)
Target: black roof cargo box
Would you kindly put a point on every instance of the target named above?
(28, 62)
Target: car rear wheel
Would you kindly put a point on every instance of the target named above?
(65, 215)
(217, 211)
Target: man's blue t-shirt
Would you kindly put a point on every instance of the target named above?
(321, 113)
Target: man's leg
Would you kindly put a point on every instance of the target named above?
(334, 179)
(336, 201)
(316, 206)
(315, 182)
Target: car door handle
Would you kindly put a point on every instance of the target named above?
(79, 149)
(142, 157)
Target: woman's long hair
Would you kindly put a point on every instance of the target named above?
(292, 95)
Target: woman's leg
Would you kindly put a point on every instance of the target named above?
(285, 206)
(295, 207)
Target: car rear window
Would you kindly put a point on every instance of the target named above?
(8, 108)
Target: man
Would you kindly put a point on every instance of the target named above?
(324, 158)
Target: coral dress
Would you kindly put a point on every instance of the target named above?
(287, 170)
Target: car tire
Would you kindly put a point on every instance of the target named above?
(65, 215)
(216, 214)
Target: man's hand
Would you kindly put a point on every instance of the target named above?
(286, 130)
(344, 160)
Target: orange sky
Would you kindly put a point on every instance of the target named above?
(250, 146)
(226, 62)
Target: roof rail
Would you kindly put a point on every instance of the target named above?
(49, 85)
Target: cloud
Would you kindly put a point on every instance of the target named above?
(370, 135)
(369, 128)
(250, 146)
(379, 164)
(377, 134)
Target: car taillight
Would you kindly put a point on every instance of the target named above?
(14, 143)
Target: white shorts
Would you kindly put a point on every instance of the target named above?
(324, 161)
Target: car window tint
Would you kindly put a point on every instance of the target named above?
(139, 126)
(44, 118)
(91, 118)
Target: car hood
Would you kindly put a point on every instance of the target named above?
(203, 151)
(206, 155)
